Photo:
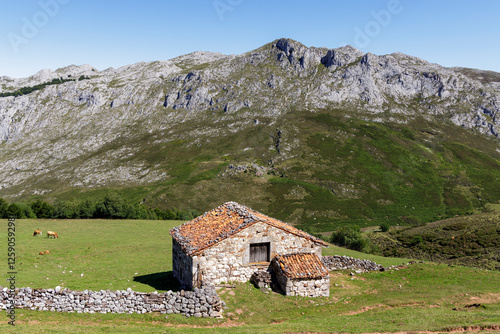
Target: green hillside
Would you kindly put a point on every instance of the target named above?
(316, 170)
(471, 241)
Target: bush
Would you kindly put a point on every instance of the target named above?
(384, 227)
(416, 240)
(349, 237)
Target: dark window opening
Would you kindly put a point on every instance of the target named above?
(260, 252)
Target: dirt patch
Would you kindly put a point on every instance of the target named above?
(488, 298)
(381, 306)
(468, 329)
(228, 323)
(365, 309)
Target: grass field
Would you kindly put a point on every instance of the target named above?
(115, 254)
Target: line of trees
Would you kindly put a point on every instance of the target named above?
(111, 206)
(27, 90)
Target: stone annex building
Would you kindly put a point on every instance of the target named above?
(231, 242)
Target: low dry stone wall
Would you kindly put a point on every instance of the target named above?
(337, 262)
(198, 303)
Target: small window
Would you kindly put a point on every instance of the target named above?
(260, 252)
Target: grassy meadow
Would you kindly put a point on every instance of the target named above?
(118, 254)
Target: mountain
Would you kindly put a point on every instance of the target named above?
(310, 135)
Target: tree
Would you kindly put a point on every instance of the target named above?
(65, 209)
(86, 209)
(20, 211)
(42, 209)
(4, 207)
(111, 206)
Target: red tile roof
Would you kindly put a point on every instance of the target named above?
(224, 221)
(301, 265)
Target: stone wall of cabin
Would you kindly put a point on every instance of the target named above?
(313, 287)
(229, 259)
(182, 266)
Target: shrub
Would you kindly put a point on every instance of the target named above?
(384, 227)
(416, 240)
(349, 237)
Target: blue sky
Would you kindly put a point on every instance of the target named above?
(39, 34)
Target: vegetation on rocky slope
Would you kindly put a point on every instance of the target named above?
(331, 170)
(470, 241)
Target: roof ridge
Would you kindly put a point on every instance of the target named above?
(235, 217)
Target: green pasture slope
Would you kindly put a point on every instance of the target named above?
(118, 254)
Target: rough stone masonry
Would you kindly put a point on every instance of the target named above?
(338, 262)
(202, 302)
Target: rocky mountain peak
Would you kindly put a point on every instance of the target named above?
(69, 120)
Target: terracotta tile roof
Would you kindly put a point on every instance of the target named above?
(222, 222)
(301, 265)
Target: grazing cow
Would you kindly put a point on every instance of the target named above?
(41, 253)
(37, 233)
(52, 234)
(47, 252)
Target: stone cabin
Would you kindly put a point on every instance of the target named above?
(231, 242)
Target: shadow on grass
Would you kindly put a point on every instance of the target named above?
(159, 281)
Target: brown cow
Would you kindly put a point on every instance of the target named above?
(47, 252)
(52, 234)
(37, 233)
(41, 253)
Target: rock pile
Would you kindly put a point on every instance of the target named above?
(337, 262)
(198, 303)
(261, 279)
